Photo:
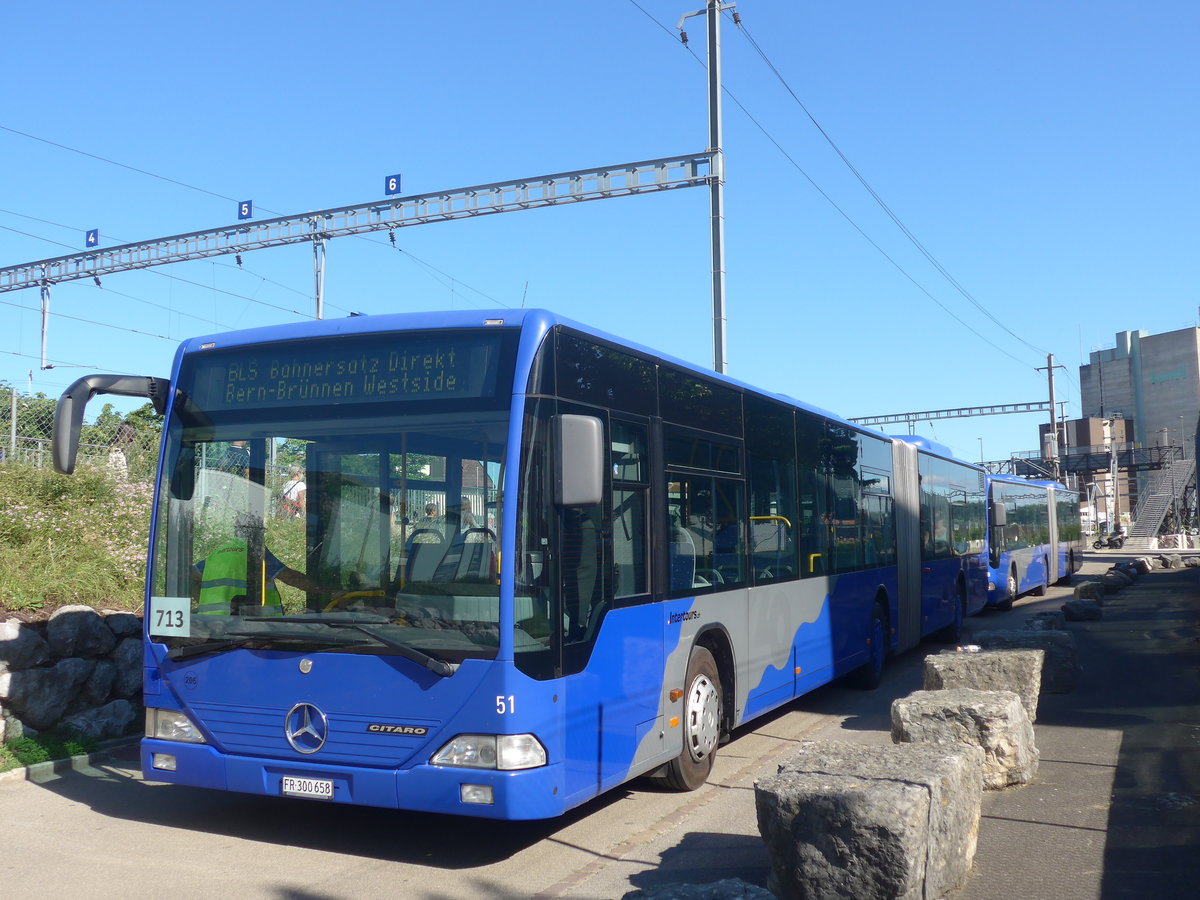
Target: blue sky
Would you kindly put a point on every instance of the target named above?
(1043, 154)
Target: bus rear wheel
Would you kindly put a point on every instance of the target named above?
(702, 707)
(869, 675)
(952, 633)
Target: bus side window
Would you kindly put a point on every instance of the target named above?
(771, 460)
(631, 485)
(812, 478)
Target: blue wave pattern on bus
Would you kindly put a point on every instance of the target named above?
(809, 664)
(617, 702)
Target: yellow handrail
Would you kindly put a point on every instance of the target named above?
(782, 519)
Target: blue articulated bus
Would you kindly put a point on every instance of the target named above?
(528, 561)
(1035, 537)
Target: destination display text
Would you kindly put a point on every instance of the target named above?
(366, 369)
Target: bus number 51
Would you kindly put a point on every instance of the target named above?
(506, 705)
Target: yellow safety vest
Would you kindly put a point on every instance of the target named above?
(224, 577)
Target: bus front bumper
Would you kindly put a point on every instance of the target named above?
(527, 794)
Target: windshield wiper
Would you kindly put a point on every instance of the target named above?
(242, 638)
(177, 653)
(432, 663)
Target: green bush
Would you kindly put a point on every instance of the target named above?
(72, 539)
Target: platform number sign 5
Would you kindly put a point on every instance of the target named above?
(246, 209)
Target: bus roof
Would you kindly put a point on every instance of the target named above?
(527, 319)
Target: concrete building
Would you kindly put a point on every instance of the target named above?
(1142, 394)
(1150, 380)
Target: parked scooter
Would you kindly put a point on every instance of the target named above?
(1114, 541)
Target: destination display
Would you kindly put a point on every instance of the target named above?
(356, 369)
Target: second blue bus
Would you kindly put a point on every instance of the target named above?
(1035, 537)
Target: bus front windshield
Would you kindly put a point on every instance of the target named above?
(318, 531)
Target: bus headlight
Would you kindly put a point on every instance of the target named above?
(505, 752)
(171, 725)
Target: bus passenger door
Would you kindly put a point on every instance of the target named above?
(612, 659)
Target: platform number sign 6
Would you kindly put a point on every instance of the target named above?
(391, 185)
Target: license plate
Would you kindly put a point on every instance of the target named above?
(318, 788)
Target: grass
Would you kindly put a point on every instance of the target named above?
(25, 751)
(71, 539)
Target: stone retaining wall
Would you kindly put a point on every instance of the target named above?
(81, 670)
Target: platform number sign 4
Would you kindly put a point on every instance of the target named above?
(92, 238)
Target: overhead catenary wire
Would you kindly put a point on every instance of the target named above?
(56, 363)
(904, 229)
(91, 322)
(792, 161)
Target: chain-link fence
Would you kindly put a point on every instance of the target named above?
(124, 442)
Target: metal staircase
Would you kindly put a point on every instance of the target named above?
(1164, 491)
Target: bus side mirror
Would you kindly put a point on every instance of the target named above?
(68, 415)
(578, 460)
(183, 474)
(999, 515)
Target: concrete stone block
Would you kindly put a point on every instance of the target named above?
(994, 721)
(1046, 620)
(1060, 666)
(1019, 671)
(1113, 583)
(846, 820)
(1082, 611)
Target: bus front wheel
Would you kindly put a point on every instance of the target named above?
(1040, 590)
(1010, 592)
(701, 724)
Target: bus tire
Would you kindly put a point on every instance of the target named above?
(1010, 591)
(869, 675)
(951, 633)
(1065, 578)
(1040, 590)
(702, 712)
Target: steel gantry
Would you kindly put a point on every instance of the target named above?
(623, 180)
(912, 418)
